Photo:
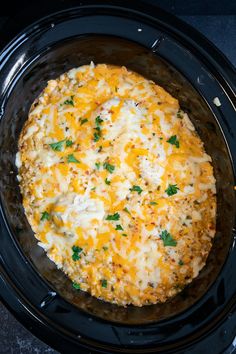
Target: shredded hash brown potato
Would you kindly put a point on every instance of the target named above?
(116, 185)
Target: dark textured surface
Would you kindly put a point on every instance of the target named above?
(221, 30)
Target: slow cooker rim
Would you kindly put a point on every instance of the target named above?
(48, 16)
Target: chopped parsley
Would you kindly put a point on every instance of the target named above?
(110, 168)
(136, 189)
(119, 227)
(69, 143)
(93, 189)
(45, 216)
(126, 210)
(105, 248)
(153, 203)
(124, 235)
(97, 134)
(181, 262)
(69, 102)
(172, 189)
(167, 239)
(76, 253)
(71, 158)
(82, 121)
(104, 283)
(76, 285)
(115, 217)
(107, 181)
(57, 146)
(173, 140)
(97, 164)
(98, 121)
(180, 114)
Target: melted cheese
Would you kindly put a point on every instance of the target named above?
(116, 185)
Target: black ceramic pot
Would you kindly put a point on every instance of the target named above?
(160, 47)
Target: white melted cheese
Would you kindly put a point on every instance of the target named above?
(80, 210)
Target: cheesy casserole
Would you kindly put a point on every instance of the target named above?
(116, 185)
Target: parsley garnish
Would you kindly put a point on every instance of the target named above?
(136, 189)
(98, 120)
(57, 146)
(76, 253)
(173, 140)
(110, 168)
(93, 189)
(126, 210)
(69, 143)
(153, 203)
(124, 234)
(168, 239)
(97, 164)
(70, 102)
(172, 189)
(181, 262)
(45, 216)
(119, 227)
(82, 121)
(96, 136)
(105, 248)
(104, 283)
(107, 181)
(76, 286)
(115, 216)
(71, 158)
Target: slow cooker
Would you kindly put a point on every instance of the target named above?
(164, 49)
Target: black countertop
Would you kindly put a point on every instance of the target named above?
(217, 21)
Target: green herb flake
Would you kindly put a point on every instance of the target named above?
(69, 102)
(110, 168)
(168, 239)
(93, 189)
(105, 248)
(107, 181)
(71, 158)
(136, 189)
(127, 211)
(76, 253)
(104, 283)
(172, 189)
(97, 164)
(97, 134)
(76, 285)
(114, 217)
(83, 121)
(45, 216)
(69, 143)
(173, 140)
(153, 203)
(119, 227)
(124, 235)
(98, 120)
(57, 146)
(181, 262)
(96, 137)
